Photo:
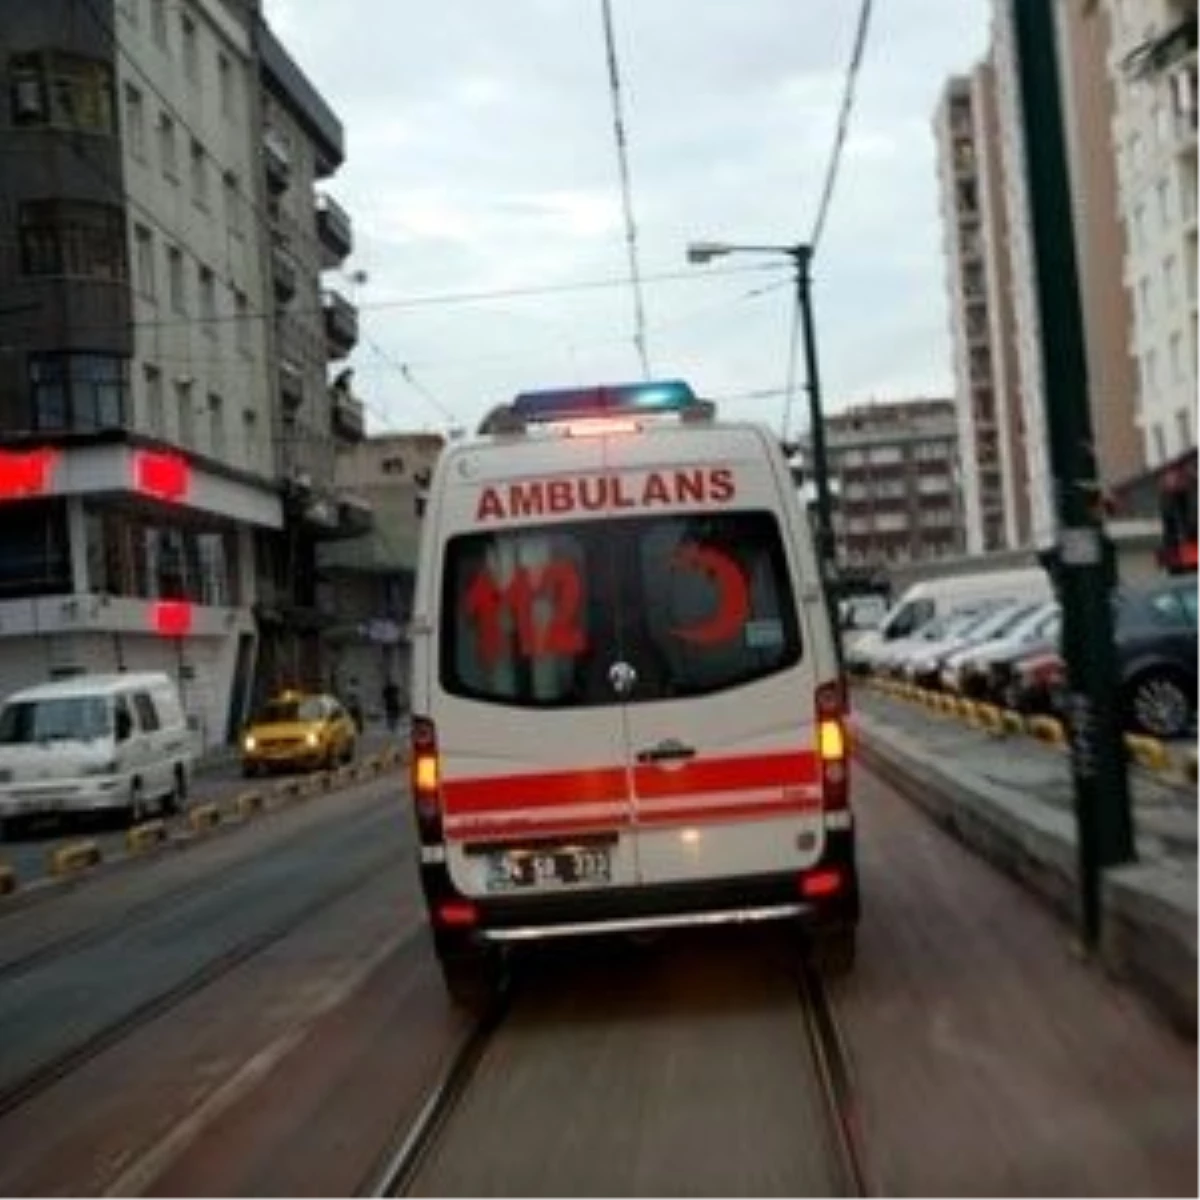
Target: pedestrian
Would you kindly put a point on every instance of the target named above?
(391, 704)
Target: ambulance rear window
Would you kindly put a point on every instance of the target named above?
(695, 603)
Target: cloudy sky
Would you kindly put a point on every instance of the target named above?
(481, 162)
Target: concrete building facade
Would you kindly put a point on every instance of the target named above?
(895, 468)
(140, 448)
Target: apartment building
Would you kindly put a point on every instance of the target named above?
(140, 452)
(1152, 64)
(312, 329)
(895, 469)
(135, 451)
(1089, 105)
(987, 385)
(368, 580)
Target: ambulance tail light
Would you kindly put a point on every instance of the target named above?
(826, 881)
(426, 778)
(832, 745)
(456, 914)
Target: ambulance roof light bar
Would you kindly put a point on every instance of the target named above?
(605, 400)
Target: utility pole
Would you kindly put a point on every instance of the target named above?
(826, 543)
(1083, 557)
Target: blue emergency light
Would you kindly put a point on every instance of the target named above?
(628, 399)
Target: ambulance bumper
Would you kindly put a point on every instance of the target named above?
(737, 916)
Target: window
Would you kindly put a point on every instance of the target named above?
(64, 91)
(1164, 203)
(147, 715)
(191, 60)
(1146, 297)
(175, 279)
(1178, 373)
(155, 417)
(62, 719)
(1138, 232)
(225, 85)
(158, 23)
(208, 301)
(1183, 422)
(250, 435)
(216, 425)
(535, 617)
(242, 324)
(143, 254)
(199, 176)
(82, 392)
(187, 418)
(71, 237)
(1171, 281)
(35, 556)
(233, 205)
(131, 10)
(166, 147)
(1160, 445)
(135, 122)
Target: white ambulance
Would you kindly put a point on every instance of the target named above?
(627, 707)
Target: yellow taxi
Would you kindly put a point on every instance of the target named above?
(298, 730)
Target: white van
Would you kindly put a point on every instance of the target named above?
(922, 602)
(627, 712)
(94, 742)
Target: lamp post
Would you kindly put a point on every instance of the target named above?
(801, 256)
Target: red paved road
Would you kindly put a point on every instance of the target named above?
(990, 1059)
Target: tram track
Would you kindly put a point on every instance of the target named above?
(402, 1168)
(33, 1083)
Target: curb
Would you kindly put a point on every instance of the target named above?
(73, 857)
(203, 816)
(145, 836)
(246, 804)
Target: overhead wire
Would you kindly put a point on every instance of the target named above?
(614, 85)
(841, 131)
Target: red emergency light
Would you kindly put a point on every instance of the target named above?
(26, 473)
(163, 476)
(172, 618)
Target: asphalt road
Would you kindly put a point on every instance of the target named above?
(262, 1015)
(30, 851)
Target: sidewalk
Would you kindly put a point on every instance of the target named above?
(1011, 799)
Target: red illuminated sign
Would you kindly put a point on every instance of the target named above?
(163, 476)
(26, 473)
(173, 618)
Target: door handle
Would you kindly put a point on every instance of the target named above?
(670, 750)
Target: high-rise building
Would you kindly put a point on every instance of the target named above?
(140, 421)
(895, 468)
(987, 399)
(1152, 60)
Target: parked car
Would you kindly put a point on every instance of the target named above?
(1156, 657)
(982, 672)
(891, 657)
(1036, 682)
(92, 743)
(926, 669)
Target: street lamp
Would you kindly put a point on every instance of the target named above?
(801, 255)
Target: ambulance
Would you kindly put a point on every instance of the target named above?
(628, 713)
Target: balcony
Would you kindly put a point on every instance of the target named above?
(277, 158)
(341, 324)
(349, 422)
(334, 230)
(355, 515)
(291, 385)
(284, 275)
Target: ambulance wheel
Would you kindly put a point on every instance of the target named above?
(472, 977)
(832, 951)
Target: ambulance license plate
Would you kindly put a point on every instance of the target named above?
(548, 866)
